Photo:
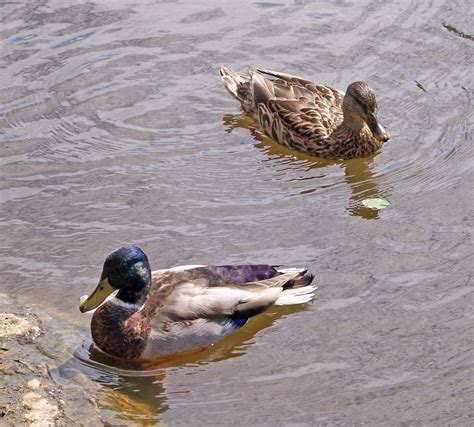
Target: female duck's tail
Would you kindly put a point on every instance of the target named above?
(237, 84)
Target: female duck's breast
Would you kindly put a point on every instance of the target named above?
(172, 337)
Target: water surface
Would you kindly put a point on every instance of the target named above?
(115, 128)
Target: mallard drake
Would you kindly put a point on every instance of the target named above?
(307, 116)
(167, 311)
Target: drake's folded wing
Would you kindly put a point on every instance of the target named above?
(179, 298)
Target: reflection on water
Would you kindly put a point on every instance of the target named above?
(120, 397)
(358, 173)
(136, 390)
(132, 398)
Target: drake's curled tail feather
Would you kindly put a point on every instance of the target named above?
(299, 290)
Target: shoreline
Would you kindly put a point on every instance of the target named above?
(29, 395)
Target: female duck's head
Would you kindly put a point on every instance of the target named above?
(360, 107)
(127, 270)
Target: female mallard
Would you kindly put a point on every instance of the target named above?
(167, 311)
(307, 116)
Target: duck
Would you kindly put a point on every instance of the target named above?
(139, 314)
(309, 117)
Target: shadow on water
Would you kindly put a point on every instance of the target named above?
(358, 173)
(135, 391)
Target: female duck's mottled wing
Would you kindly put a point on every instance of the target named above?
(198, 293)
(331, 95)
(291, 108)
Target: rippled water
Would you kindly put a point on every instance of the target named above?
(115, 128)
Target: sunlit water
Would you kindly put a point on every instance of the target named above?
(115, 128)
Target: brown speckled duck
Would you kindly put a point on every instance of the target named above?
(167, 311)
(307, 116)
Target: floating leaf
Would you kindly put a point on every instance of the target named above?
(376, 203)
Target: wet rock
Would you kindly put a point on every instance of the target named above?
(13, 325)
(28, 394)
(37, 410)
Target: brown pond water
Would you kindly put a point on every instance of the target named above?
(115, 128)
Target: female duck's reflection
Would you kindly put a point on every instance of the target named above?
(135, 391)
(358, 172)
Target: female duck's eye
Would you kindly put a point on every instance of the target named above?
(360, 104)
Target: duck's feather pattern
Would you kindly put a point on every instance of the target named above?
(298, 113)
(195, 306)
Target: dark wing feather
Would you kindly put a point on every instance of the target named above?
(286, 77)
(216, 275)
(241, 274)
